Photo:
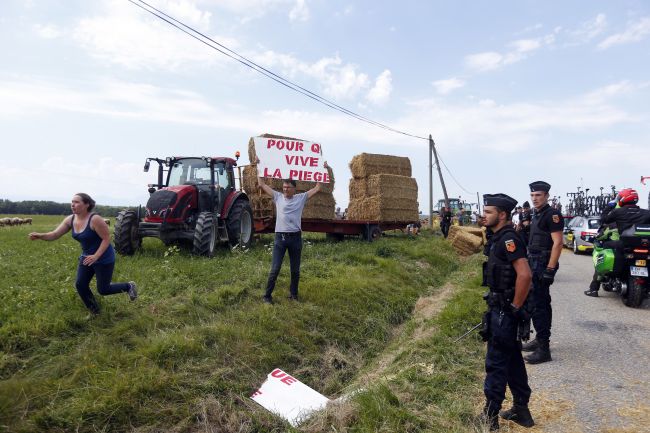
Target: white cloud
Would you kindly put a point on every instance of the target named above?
(337, 80)
(447, 86)
(486, 61)
(144, 42)
(299, 12)
(525, 45)
(47, 31)
(590, 29)
(381, 91)
(600, 154)
(634, 32)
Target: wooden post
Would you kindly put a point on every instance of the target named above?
(442, 181)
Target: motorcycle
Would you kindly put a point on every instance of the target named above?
(625, 271)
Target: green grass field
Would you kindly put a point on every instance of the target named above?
(190, 351)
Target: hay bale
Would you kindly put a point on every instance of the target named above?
(388, 185)
(466, 243)
(367, 164)
(249, 182)
(321, 206)
(381, 208)
(453, 231)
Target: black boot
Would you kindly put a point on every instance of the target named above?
(592, 292)
(490, 416)
(519, 414)
(531, 346)
(542, 354)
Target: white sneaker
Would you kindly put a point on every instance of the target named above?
(133, 292)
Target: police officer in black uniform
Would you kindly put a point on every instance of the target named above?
(508, 275)
(544, 249)
(524, 222)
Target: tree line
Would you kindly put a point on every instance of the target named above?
(43, 207)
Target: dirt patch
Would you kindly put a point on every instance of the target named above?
(551, 414)
(425, 309)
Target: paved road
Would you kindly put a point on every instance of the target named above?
(599, 379)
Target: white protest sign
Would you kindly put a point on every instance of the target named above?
(284, 158)
(287, 397)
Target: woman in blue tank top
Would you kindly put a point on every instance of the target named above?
(97, 254)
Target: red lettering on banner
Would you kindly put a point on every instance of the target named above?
(300, 146)
(307, 175)
(314, 162)
(256, 393)
(293, 173)
(315, 147)
(270, 144)
(278, 373)
(288, 380)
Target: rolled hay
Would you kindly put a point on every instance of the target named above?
(249, 182)
(387, 185)
(367, 164)
(466, 243)
(380, 208)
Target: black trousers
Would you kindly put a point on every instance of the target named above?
(504, 364)
(540, 299)
(103, 275)
(291, 242)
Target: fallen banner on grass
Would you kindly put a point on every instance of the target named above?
(287, 397)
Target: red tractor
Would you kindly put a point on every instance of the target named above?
(197, 205)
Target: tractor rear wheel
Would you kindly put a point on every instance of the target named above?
(127, 240)
(240, 224)
(205, 235)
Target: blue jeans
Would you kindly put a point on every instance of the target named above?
(504, 365)
(103, 274)
(284, 242)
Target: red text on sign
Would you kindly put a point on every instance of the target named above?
(284, 377)
(296, 146)
(305, 161)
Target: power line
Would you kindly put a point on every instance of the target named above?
(192, 32)
(452, 176)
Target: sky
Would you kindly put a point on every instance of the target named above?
(511, 91)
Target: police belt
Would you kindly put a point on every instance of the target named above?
(497, 300)
(539, 254)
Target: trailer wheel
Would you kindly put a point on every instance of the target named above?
(240, 224)
(205, 235)
(127, 240)
(372, 233)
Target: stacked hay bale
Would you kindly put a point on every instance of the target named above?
(466, 240)
(382, 189)
(320, 206)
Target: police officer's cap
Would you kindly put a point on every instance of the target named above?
(502, 201)
(526, 204)
(539, 185)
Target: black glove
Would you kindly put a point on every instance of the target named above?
(520, 313)
(548, 276)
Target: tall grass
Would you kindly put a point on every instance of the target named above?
(187, 354)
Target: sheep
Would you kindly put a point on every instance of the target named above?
(27, 221)
(16, 221)
(6, 221)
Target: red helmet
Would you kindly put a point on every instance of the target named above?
(627, 196)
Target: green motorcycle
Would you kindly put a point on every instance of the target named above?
(624, 269)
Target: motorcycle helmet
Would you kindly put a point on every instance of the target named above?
(628, 197)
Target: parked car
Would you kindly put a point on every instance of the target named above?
(580, 232)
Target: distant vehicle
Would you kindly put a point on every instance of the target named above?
(580, 232)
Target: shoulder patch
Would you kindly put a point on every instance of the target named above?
(511, 247)
(556, 219)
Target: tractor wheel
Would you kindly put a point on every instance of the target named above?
(127, 240)
(205, 235)
(635, 292)
(240, 224)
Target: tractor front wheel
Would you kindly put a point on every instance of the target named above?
(127, 240)
(240, 224)
(205, 235)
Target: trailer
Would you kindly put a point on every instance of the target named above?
(337, 229)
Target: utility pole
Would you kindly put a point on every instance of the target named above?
(432, 144)
(430, 184)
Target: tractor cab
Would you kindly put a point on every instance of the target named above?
(193, 183)
(197, 203)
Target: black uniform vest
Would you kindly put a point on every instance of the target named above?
(500, 274)
(540, 240)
